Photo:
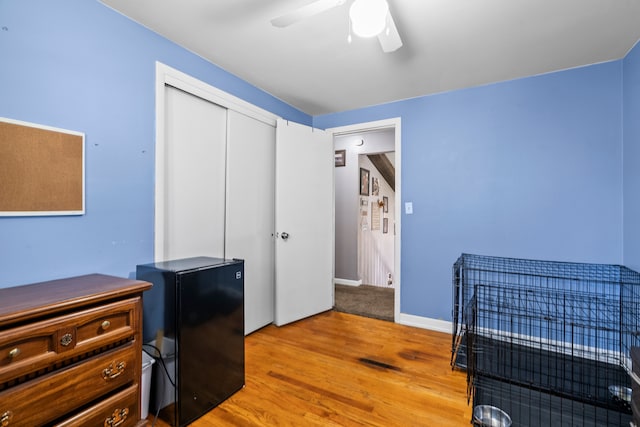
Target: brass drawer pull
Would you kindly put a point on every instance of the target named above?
(13, 354)
(66, 339)
(105, 325)
(119, 416)
(112, 372)
(5, 418)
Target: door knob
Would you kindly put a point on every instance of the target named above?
(284, 236)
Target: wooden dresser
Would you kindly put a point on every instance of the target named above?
(71, 352)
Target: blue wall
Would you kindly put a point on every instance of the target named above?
(526, 168)
(78, 65)
(631, 72)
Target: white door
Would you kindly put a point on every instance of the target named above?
(251, 146)
(193, 202)
(304, 222)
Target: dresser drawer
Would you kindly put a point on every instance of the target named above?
(30, 348)
(51, 396)
(119, 410)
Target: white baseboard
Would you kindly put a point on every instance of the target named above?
(425, 323)
(347, 282)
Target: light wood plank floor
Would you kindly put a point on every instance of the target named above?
(337, 369)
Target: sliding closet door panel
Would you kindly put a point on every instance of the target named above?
(194, 193)
(250, 212)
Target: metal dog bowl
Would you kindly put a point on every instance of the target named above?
(620, 393)
(490, 416)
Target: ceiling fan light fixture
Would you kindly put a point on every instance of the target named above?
(368, 17)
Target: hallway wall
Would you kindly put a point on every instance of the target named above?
(375, 247)
(347, 197)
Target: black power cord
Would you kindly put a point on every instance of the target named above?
(158, 357)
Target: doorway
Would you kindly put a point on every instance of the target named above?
(367, 180)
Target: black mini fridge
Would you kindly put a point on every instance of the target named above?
(194, 318)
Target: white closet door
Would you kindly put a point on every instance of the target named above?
(194, 184)
(251, 213)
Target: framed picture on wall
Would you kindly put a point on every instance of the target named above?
(385, 201)
(340, 158)
(385, 225)
(364, 182)
(375, 187)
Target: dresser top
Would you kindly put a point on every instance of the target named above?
(28, 301)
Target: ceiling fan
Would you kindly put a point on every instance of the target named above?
(367, 18)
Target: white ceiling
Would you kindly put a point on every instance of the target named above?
(448, 44)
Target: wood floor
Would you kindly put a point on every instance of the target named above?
(338, 369)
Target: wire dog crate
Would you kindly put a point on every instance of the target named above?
(546, 342)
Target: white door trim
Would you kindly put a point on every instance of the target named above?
(168, 76)
(394, 123)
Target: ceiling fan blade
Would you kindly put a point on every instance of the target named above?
(390, 38)
(307, 11)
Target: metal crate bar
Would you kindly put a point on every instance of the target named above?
(559, 333)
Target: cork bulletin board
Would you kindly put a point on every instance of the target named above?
(41, 170)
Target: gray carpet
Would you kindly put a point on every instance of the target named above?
(365, 300)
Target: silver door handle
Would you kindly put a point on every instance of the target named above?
(284, 236)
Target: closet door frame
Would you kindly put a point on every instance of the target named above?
(168, 76)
